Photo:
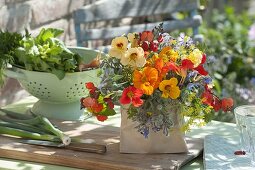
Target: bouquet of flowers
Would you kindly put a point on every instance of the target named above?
(149, 72)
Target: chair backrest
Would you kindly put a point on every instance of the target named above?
(106, 10)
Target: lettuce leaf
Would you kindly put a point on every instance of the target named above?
(46, 53)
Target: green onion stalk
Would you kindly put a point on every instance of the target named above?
(37, 127)
(27, 134)
(48, 126)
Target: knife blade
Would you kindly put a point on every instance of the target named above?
(83, 147)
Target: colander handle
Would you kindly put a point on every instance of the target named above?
(14, 73)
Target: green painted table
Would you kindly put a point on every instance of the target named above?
(227, 130)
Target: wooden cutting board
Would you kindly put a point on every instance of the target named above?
(102, 134)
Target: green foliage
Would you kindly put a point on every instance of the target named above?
(43, 53)
(8, 42)
(230, 54)
(46, 53)
(227, 41)
(233, 65)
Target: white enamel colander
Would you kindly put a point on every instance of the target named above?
(59, 99)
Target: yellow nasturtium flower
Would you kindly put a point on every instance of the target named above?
(169, 88)
(118, 47)
(195, 57)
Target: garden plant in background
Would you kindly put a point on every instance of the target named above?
(230, 49)
(148, 73)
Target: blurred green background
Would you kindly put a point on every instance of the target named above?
(229, 36)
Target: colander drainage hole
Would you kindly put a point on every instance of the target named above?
(40, 84)
(45, 88)
(75, 84)
(81, 82)
(34, 82)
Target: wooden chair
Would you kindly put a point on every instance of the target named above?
(107, 10)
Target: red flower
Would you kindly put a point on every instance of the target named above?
(171, 66)
(187, 64)
(227, 104)
(210, 99)
(207, 97)
(132, 94)
(91, 87)
(147, 36)
(109, 102)
(216, 104)
(101, 117)
(92, 105)
(200, 67)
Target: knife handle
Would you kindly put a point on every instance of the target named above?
(87, 147)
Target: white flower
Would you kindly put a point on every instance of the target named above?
(132, 38)
(118, 47)
(134, 57)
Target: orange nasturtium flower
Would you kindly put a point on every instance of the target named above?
(92, 105)
(132, 94)
(146, 80)
(169, 88)
(168, 54)
(101, 117)
(91, 87)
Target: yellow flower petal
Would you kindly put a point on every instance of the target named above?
(174, 92)
(173, 81)
(169, 88)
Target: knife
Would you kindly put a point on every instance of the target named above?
(83, 147)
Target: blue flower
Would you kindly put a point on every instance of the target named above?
(145, 131)
(207, 80)
(184, 40)
(211, 59)
(193, 86)
(191, 75)
(252, 81)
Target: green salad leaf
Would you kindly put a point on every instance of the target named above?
(46, 53)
